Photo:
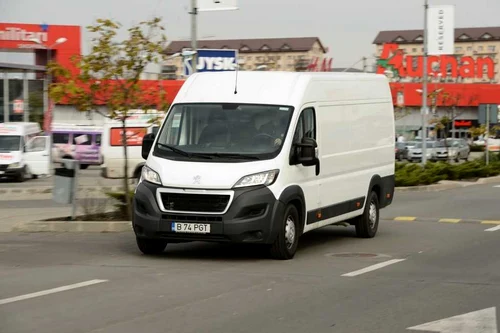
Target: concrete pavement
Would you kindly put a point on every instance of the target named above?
(440, 271)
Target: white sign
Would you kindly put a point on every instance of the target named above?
(18, 106)
(482, 321)
(18, 34)
(400, 99)
(441, 30)
(214, 5)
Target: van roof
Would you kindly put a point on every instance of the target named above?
(265, 86)
(20, 128)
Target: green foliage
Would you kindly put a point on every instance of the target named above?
(409, 174)
(120, 202)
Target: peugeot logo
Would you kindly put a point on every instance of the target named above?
(197, 179)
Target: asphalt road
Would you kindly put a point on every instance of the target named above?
(444, 270)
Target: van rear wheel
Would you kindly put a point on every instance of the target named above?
(367, 224)
(285, 245)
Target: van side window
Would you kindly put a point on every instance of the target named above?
(98, 138)
(306, 127)
(60, 138)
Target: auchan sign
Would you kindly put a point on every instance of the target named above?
(404, 66)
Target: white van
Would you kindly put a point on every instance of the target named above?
(138, 124)
(279, 156)
(24, 152)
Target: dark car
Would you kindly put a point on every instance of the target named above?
(401, 151)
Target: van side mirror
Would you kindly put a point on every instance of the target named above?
(307, 153)
(147, 143)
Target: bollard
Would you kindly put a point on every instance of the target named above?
(65, 184)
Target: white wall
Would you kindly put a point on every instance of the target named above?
(70, 115)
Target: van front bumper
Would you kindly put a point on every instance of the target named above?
(254, 216)
(10, 173)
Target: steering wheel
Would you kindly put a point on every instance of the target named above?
(263, 135)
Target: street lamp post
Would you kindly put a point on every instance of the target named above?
(424, 87)
(47, 81)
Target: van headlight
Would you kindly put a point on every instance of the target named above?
(150, 175)
(16, 165)
(266, 178)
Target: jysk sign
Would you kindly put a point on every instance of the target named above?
(210, 60)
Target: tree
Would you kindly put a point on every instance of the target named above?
(110, 75)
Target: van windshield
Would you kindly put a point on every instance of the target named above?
(10, 142)
(220, 131)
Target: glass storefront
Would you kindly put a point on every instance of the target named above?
(16, 93)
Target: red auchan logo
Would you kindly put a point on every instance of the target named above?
(392, 58)
(18, 34)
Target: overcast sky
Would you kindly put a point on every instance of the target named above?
(347, 29)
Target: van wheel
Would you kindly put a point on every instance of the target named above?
(84, 166)
(285, 245)
(151, 246)
(22, 176)
(367, 224)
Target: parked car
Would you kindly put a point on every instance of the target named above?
(401, 151)
(415, 152)
(458, 149)
(439, 151)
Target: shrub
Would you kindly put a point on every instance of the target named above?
(120, 202)
(415, 174)
(476, 148)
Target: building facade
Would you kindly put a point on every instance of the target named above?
(273, 54)
(458, 83)
(476, 57)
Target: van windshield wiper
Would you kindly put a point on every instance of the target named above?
(236, 156)
(184, 153)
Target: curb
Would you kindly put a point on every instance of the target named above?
(74, 226)
(440, 220)
(447, 185)
(48, 189)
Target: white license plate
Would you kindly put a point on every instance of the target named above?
(2, 172)
(195, 228)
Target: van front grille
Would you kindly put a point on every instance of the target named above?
(209, 203)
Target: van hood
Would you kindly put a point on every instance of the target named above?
(9, 157)
(203, 175)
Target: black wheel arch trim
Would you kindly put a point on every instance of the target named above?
(295, 192)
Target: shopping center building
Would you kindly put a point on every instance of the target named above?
(458, 83)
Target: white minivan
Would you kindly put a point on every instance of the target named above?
(24, 151)
(265, 158)
(138, 124)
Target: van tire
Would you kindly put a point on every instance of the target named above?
(151, 246)
(84, 166)
(367, 224)
(285, 245)
(22, 176)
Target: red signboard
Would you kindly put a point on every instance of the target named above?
(393, 59)
(463, 123)
(134, 136)
(19, 37)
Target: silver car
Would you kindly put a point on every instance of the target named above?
(439, 151)
(415, 152)
(458, 149)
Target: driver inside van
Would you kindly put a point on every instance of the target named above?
(276, 127)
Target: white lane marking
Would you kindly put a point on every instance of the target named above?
(482, 321)
(496, 186)
(373, 267)
(494, 228)
(50, 291)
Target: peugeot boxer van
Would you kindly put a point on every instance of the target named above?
(265, 157)
(24, 151)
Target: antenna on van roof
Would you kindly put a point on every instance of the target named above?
(236, 80)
